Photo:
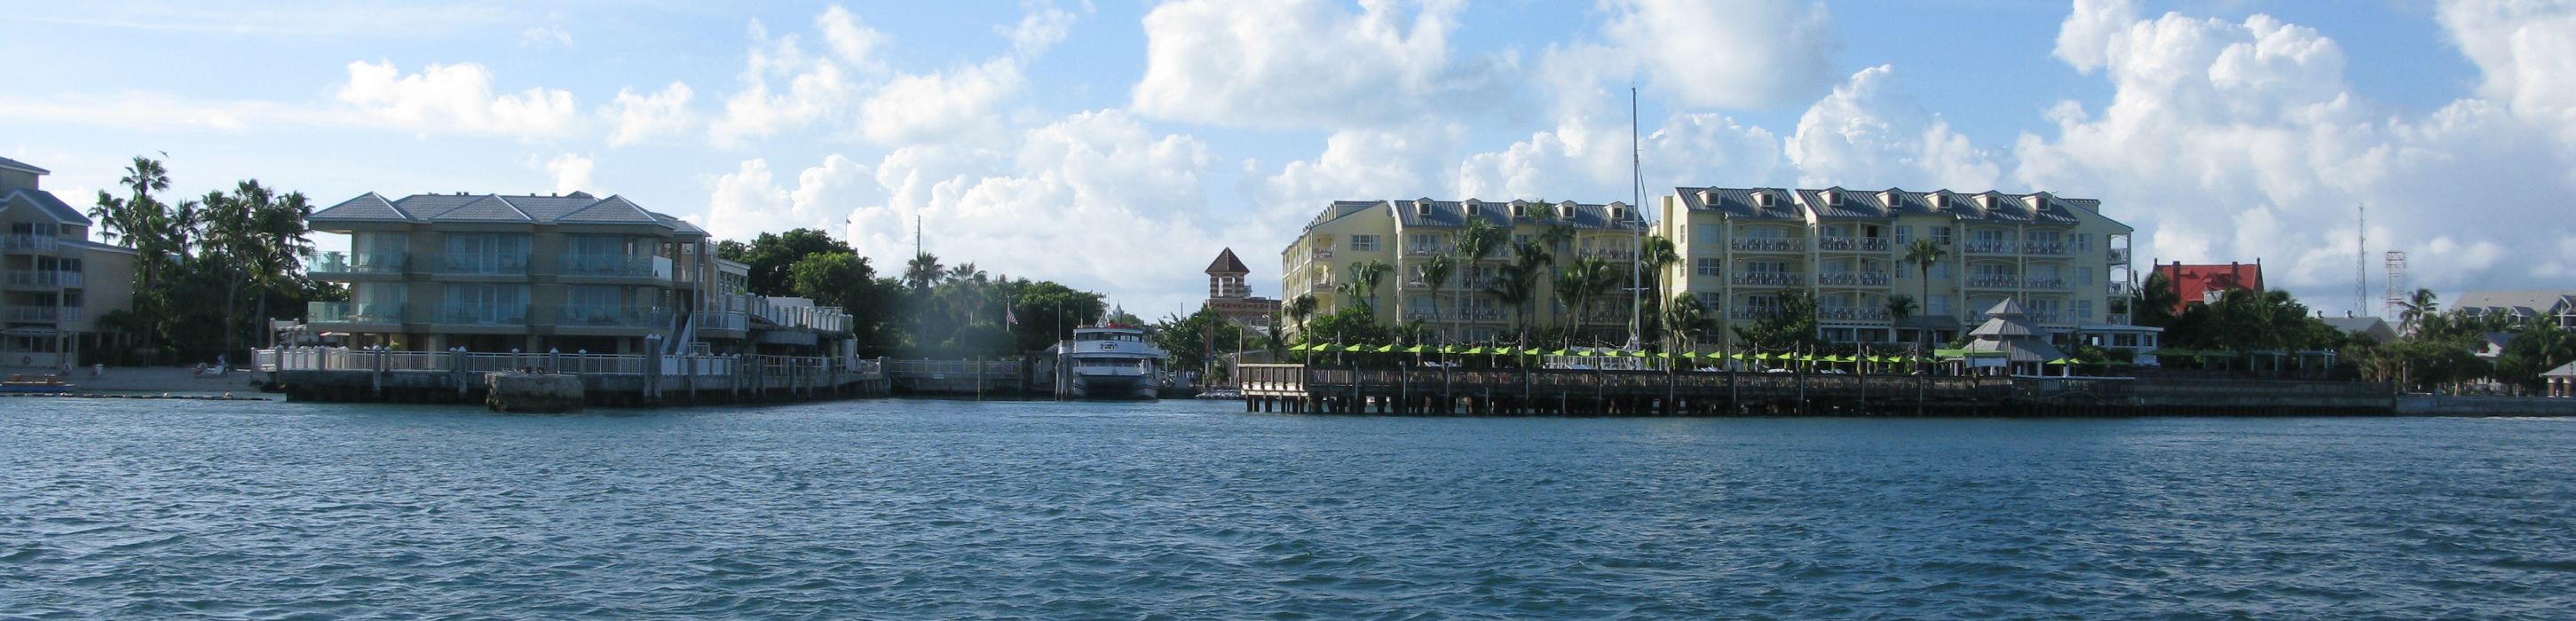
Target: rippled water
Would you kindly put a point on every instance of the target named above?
(913, 509)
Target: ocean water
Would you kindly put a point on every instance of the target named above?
(1186, 510)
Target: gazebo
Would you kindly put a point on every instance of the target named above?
(2008, 330)
(2561, 381)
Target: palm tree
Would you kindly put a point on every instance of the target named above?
(1435, 272)
(1923, 253)
(2417, 307)
(1367, 274)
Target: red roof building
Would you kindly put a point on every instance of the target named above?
(2205, 283)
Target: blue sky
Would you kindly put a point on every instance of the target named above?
(1116, 146)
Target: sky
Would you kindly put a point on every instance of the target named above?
(1118, 146)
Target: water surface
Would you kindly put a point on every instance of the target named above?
(921, 509)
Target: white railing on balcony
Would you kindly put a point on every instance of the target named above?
(356, 262)
(44, 278)
(349, 312)
(1766, 279)
(1987, 247)
(1766, 244)
(1854, 279)
(30, 242)
(2044, 248)
(1853, 244)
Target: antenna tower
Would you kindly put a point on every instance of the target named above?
(2396, 283)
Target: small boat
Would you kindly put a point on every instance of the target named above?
(35, 384)
(1115, 362)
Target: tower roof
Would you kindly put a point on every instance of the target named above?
(1226, 264)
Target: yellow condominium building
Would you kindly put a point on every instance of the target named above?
(1405, 235)
(1741, 248)
(55, 284)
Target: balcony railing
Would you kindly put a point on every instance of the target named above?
(1987, 247)
(608, 316)
(2045, 284)
(1852, 314)
(44, 278)
(596, 264)
(1766, 279)
(483, 264)
(26, 241)
(2044, 248)
(1854, 279)
(356, 262)
(1766, 244)
(1853, 244)
(484, 314)
(350, 312)
(2006, 281)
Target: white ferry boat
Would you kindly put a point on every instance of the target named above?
(1115, 362)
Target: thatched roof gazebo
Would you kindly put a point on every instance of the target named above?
(2008, 330)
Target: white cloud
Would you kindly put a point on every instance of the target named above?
(1305, 63)
(637, 117)
(816, 88)
(456, 98)
(1871, 134)
(572, 173)
(1731, 53)
(939, 106)
(2237, 140)
(544, 36)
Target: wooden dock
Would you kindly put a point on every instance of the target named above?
(1434, 391)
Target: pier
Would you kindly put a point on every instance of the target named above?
(608, 380)
(1435, 391)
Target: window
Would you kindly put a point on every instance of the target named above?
(1707, 267)
(1904, 235)
(1706, 234)
(1941, 235)
(1364, 243)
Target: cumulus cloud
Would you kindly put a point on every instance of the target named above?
(456, 98)
(636, 117)
(2236, 140)
(571, 172)
(1728, 53)
(1306, 63)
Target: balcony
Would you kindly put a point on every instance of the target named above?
(2045, 284)
(1835, 243)
(612, 316)
(1766, 279)
(1854, 279)
(612, 265)
(329, 263)
(479, 264)
(2004, 281)
(1987, 246)
(1767, 244)
(348, 312)
(44, 279)
(2044, 248)
(30, 243)
(1852, 314)
(483, 314)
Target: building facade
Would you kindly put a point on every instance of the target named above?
(569, 272)
(2063, 262)
(55, 283)
(1405, 234)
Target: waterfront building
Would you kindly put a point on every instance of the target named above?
(1406, 234)
(2061, 260)
(55, 283)
(1230, 293)
(2205, 284)
(563, 272)
(2554, 306)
